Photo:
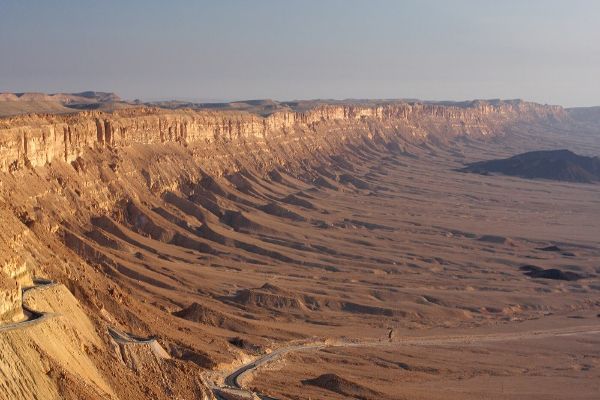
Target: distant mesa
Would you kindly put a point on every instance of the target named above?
(58, 103)
(559, 165)
(587, 116)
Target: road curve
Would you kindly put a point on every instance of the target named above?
(232, 380)
(128, 338)
(33, 317)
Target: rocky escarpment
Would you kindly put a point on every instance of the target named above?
(181, 146)
(131, 209)
(41, 139)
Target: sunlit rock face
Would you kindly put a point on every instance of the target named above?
(223, 234)
(37, 140)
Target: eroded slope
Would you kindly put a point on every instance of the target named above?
(223, 234)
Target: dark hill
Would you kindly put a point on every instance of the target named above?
(346, 388)
(560, 165)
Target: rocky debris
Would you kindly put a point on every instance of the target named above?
(207, 315)
(345, 387)
(181, 352)
(136, 352)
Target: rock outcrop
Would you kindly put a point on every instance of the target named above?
(559, 165)
(10, 299)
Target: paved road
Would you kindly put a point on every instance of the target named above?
(233, 379)
(33, 317)
(128, 338)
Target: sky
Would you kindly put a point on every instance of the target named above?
(540, 50)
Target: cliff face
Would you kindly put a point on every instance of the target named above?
(38, 140)
(178, 147)
(10, 299)
(94, 199)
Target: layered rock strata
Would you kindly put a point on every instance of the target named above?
(220, 140)
(41, 139)
(84, 195)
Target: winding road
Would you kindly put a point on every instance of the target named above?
(233, 380)
(32, 316)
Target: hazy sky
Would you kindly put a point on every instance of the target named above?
(547, 51)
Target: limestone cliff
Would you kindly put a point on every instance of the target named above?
(37, 140)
